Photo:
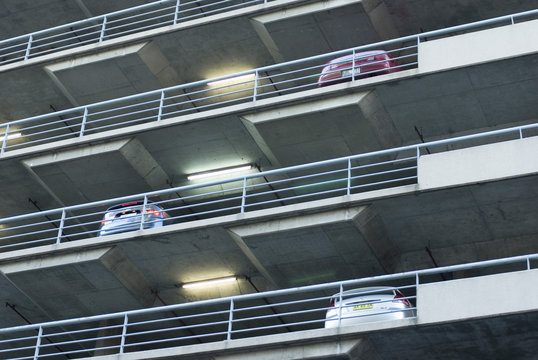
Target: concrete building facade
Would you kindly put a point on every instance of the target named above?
(432, 166)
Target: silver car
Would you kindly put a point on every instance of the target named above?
(366, 305)
(127, 217)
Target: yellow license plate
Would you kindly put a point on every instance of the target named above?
(362, 307)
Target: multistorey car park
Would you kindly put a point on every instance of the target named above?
(375, 202)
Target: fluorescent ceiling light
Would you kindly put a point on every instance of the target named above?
(232, 80)
(11, 136)
(219, 172)
(209, 282)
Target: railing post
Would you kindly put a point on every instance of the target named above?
(83, 124)
(161, 103)
(28, 47)
(4, 140)
(348, 176)
(230, 320)
(340, 305)
(353, 66)
(255, 86)
(176, 13)
(520, 133)
(143, 212)
(60, 228)
(528, 263)
(38, 343)
(102, 35)
(244, 195)
(123, 333)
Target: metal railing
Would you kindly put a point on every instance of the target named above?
(232, 318)
(113, 25)
(244, 87)
(268, 189)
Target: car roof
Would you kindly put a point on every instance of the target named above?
(359, 54)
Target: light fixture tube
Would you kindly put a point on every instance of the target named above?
(209, 282)
(11, 136)
(232, 80)
(218, 172)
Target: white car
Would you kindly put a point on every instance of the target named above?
(127, 217)
(366, 305)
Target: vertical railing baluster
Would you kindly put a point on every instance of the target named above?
(348, 176)
(230, 320)
(103, 28)
(143, 212)
(38, 343)
(28, 47)
(83, 124)
(60, 228)
(255, 85)
(528, 263)
(176, 13)
(161, 104)
(4, 140)
(244, 195)
(340, 305)
(520, 133)
(353, 66)
(124, 333)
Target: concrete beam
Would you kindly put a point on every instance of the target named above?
(129, 275)
(381, 19)
(158, 65)
(340, 349)
(478, 47)
(298, 222)
(477, 164)
(145, 164)
(253, 259)
(253, 122)
(380, 121)
(359, 121)
(48, 169)
(373, 230)
(78, 278)
(81, 79)
(477, 297)
(53, 70)
(260, 22)
(365, 218)
(376, 10)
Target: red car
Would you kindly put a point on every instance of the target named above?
(368, 63)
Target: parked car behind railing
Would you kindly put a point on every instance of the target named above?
(370, 304)
(132, 216)
(367, 63)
